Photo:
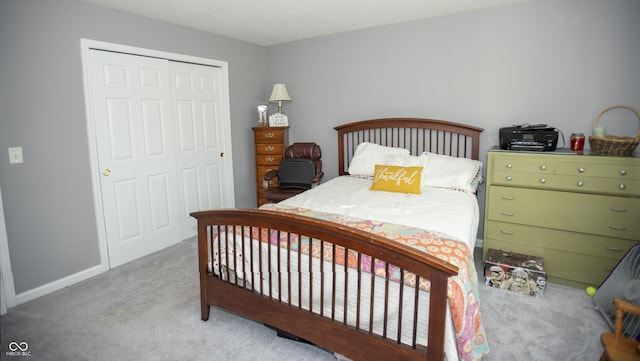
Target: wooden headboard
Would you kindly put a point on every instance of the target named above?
(418, 135)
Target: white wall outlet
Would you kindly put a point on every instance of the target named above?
(15, 155)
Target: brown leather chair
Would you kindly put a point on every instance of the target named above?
(286, 189)
(616, 346)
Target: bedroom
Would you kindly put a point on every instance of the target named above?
(542, 61)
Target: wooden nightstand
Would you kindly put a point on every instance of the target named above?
(270, 144)
(579, 212)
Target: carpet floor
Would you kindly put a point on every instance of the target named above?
(149, 309)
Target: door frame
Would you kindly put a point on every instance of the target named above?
(86, 45)
(7, 288)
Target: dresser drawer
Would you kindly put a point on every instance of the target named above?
(582, 243)
(592, 174)
(269, 159)
(609, 216)
(573, 183)
(269, 134)
(593, 166)
(269, 148)
(563, 267)
(603, 167)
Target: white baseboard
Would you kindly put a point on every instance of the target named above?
(60, 284)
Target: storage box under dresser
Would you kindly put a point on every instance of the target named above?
(581, 213)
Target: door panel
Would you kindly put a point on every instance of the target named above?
(134, 137)
(198, 104)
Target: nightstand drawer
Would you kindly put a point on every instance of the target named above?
(269, 148)
(585, 213)
(269, 160)
(582, 243)
(262, 170)
(269, 134)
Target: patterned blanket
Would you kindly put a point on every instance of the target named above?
(462, 289)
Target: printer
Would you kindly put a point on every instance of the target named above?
(539, 137)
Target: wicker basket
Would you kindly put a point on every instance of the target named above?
(611, 144)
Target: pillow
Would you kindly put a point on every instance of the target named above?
(404, 160)
(393, 178)
(444, 171)
(367, 155)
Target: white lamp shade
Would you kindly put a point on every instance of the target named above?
(279, 94)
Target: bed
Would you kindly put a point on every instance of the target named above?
(368, 274)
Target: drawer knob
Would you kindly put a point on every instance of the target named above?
(622, 187)
(505, 231)
(270, 148)
(543, 180)
(507, 198)
(581, 170)
(623, 172)
(270, 159)
(268, 135)
(580, 183)
(617, 228)
(618, 209)
(507, 214)
(509, 165)
(509, 178)
(543, 167)
(614, 249)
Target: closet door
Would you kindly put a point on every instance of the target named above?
(202, 140)
(131, 99)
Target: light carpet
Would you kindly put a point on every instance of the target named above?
(149, 309)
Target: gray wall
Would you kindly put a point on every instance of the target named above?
(48, 200)
(558, 62)
(554, 61)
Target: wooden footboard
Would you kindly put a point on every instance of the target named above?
(267, 284)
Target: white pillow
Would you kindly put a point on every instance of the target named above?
(367, 155)
(404, 160)
(444, 171)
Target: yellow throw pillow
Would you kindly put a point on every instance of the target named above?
(392, 178)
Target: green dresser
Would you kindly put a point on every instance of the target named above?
(580, 212)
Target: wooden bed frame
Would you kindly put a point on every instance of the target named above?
(236, 294)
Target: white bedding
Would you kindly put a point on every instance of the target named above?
(442, 210)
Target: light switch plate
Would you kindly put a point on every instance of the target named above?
(15, 155)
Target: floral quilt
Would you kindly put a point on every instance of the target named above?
(462, 289)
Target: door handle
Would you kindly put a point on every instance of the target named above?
(106, 172)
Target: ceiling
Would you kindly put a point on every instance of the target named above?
(270, 22)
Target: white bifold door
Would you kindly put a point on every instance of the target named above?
(163, 147)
